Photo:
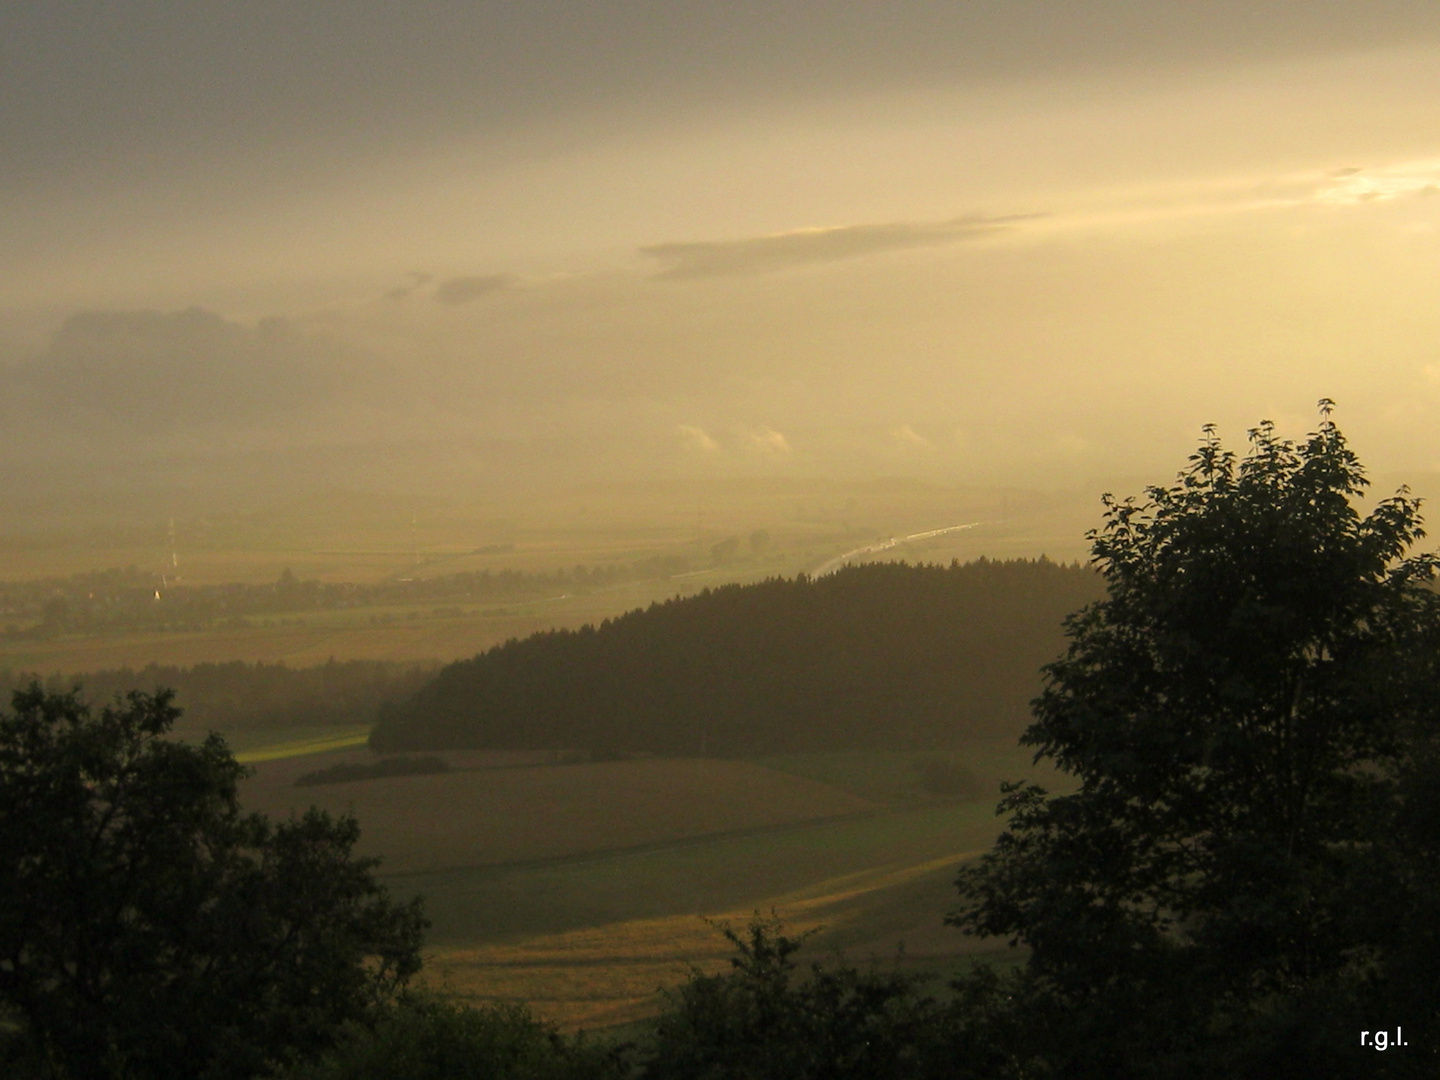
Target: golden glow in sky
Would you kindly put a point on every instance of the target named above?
(646, 240)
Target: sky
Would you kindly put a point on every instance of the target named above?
(526, 243)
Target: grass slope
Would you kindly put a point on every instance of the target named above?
(491, 816)
(584, 889)
(590, 941)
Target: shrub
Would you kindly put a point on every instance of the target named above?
(431, 1038)
(759, 1022)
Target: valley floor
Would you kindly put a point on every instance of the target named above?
(586, 890)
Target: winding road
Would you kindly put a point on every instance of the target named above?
(831, 565)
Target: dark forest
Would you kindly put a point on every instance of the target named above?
(882, 656)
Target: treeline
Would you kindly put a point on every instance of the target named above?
(130, 599)
(236, 696)
(887, 655)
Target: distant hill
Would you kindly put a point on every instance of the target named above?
(881, 656)
(244, 699)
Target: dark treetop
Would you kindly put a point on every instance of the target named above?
(149, 928)
(1252, 716)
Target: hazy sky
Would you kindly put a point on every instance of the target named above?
(1023, 240)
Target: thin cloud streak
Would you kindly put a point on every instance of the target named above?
(464, 290)
(1343, 189)
(751, 256)
(778, 251)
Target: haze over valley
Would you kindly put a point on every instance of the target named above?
(506, 423)
(255, 256)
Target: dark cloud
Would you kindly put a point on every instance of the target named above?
(140, 372)
(761, 254)
(92, 87)
(463, 290)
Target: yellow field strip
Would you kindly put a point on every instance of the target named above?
(610, 974)
(301, 747)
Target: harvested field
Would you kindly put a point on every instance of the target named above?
(601, 976)
(894, 776)
(311, 639)
(278, 764)
(702, 875)
(585, 889)
(503, 815)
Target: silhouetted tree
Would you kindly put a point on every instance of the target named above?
(763, 1020)
(148, 928)
(1242, 882)
(429, 1038)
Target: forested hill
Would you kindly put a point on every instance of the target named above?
(882, 656)
(237, 697)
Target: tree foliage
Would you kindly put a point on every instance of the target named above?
(148, 927)
(1251, 715)
(431, 1038)
(764, 1020)
(235, 696)
(884, 656)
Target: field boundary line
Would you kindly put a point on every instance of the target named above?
(499, 868)
(304, 747)
(635, 849)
